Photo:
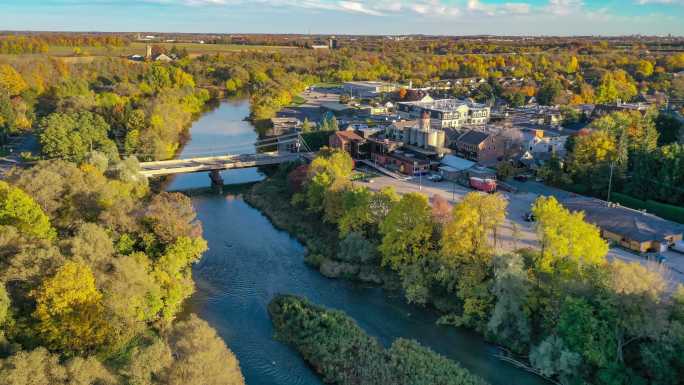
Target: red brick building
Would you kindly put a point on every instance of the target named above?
(479, 146)
(349, 141)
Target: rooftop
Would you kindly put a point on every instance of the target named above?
(632, 224)
(444, 105)
(349, 135)
(473, 137)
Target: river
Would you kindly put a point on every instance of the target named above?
(249, 261)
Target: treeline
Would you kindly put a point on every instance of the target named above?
(93, 272)
(336, 347)
(40, 43)
(111, 105)
(564, 77)
(642, 150)
(563, 309)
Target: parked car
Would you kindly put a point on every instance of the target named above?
(529, 217)
(521, 178)
(678, 247)
(436, 178)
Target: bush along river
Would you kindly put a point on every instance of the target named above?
(249, 262)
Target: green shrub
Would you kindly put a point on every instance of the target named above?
(343, 354)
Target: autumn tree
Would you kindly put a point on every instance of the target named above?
(18, 209)
(466, 250)
(200, 356)
(569, 245)
(69, 310)
(11, 81)
(170, 216)
(406, 231)
(329, 170)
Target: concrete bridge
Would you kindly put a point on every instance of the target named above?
(217, 163)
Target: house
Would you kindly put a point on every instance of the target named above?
(629, 228)
(162, 58)
(537, 141)
(367, 89)
(348, 141)
(478, 146)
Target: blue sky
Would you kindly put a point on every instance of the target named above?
(444, 17)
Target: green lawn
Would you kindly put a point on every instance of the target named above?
(297, 100)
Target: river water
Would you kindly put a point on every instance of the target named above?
(249, 262)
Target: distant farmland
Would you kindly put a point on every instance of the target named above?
(194, 49)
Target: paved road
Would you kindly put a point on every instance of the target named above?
(516, 233)
(17, 145)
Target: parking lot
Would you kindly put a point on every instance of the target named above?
(517, 233)
(311, 108)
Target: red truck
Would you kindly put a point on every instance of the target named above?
(483, 184)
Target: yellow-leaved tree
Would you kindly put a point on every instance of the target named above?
(568, 243)
(11, 81)
(69, 310)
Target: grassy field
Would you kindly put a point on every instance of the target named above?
(195, 49)
(297, 101)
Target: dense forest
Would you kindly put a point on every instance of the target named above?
(563, 310)
(93, 272)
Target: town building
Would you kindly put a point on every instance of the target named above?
(404, 162)
(479, 146)
(368, 89)
(632, 229)
(348, 141)
(418, 133)
(446, 113)
(452, 167)
(538, 141)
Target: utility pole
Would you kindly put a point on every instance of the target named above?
(420, 176)
(610, 180)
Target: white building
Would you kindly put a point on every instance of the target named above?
(446, 113)
(537, 141)
(368, 89)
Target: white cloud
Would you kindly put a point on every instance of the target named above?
(564, 7)
(660, 2)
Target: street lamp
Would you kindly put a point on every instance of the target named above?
(420, 176)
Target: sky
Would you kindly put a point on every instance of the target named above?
(376, 17)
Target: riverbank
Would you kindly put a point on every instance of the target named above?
(272, 198)
(250, 261)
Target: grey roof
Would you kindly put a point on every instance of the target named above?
(456, 162)
(473, 137)
(631, 224)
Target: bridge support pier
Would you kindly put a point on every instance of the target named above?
(216, 178)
